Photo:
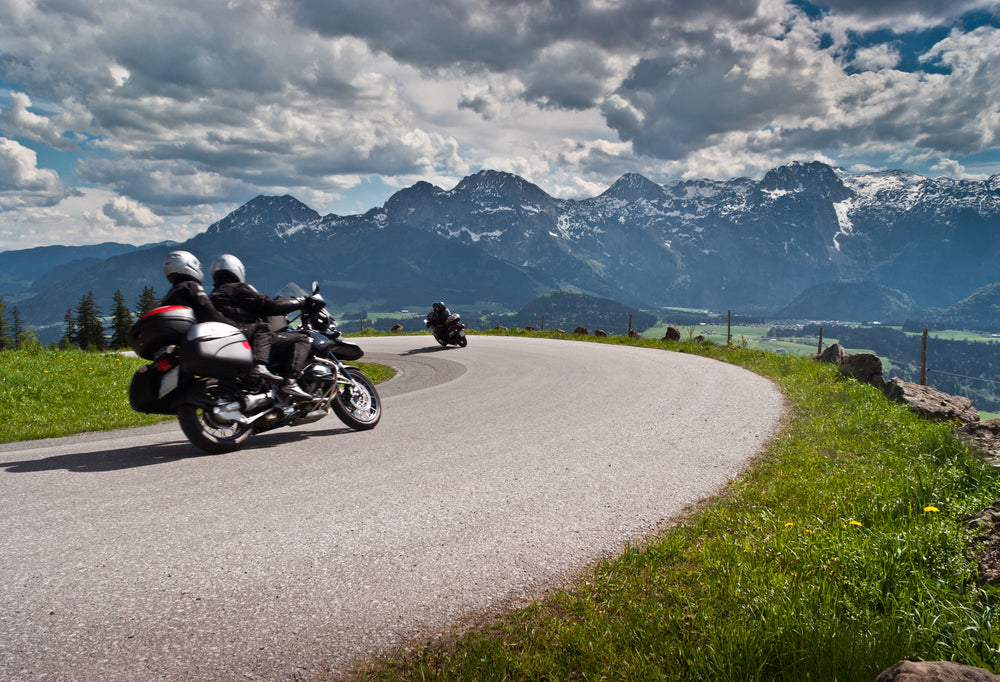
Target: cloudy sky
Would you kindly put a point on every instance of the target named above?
(135, 121)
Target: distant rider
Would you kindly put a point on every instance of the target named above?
(250, 309)
(437, 317)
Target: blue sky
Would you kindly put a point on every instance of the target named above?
(133, 121)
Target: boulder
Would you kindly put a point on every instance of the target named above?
(581, 330)
(633, 334)
(529, 329)
(600, 332)
(865, 367)
(672, 334)
(397, 329)
(834, 355)
(935, 671)
(558, 331)
(930, 402)
(983, 437)
(987, 522)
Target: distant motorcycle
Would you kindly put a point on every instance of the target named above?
(452, 332)
(198, 371)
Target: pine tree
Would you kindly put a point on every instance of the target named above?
(89, 330)
(69, 330)
(147, 301)
(18, 332)
(6, 336)
(121, 322)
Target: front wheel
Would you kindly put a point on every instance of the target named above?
(357, 404)
(463, 343)
(209, 429)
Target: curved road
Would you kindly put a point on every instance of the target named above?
(497, 469)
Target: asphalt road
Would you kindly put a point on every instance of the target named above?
(497, 470)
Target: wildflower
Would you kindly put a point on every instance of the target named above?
(931, 509)
(789, 524)
(855, 523)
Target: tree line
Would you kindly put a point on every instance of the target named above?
(84, 325)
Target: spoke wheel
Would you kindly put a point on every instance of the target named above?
(358, 405)
(208, 430)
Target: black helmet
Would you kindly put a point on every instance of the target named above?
(438, 307)
(228, 268)
(182, 265)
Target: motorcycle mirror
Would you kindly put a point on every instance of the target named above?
(315, 287)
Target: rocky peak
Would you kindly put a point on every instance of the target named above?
(491, 187)
(805, 178)
(635, 187)
(266, 215)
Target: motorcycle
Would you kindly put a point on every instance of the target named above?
(199, 372)
(451, 332)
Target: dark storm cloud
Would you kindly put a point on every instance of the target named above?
(559, 48)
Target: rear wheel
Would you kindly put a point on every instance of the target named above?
(358, 404)
(212, 428)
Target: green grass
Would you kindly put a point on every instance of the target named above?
(841, 551)
(49, 393)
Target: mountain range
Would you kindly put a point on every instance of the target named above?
(496, 240)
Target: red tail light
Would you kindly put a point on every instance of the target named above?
(163, 364)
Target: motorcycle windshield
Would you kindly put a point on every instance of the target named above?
(290, 290)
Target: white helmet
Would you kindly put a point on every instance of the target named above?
(226, 267)
(181, 265)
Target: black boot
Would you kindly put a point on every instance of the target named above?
(260, 371)
(291, 388)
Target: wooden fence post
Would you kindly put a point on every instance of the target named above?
(629, 324)
(923, 359)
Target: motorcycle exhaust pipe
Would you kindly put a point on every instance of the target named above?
(255, 400)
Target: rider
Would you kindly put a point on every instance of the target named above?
(249, 309)
(183, 271)
(437, 317)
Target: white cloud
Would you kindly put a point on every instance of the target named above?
(22, 182)
(127, 213)
(188, 108)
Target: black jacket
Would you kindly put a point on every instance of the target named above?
(242, 303)
(191, 294)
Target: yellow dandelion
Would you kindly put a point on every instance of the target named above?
(931, 509)
(789, 524)
(855, 523)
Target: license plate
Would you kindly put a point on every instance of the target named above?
(169, 381)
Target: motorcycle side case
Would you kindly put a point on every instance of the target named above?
(217, 350)
(144, 392)
(163, 326)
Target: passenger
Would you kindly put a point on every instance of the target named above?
(249, 309)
